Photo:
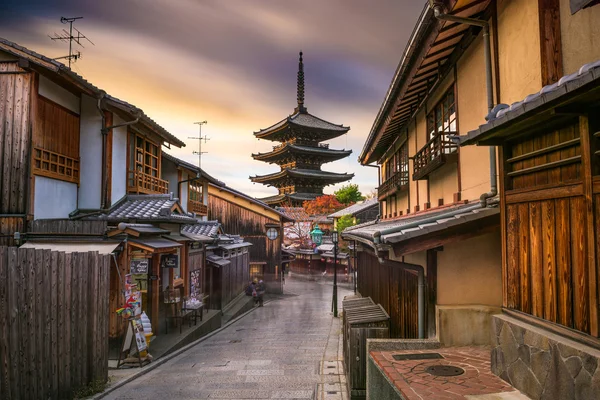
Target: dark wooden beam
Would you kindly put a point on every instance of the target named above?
(550, 41)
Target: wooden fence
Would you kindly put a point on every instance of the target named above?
(53, 322)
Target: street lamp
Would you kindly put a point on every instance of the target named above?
(317, 235)
(334, 239)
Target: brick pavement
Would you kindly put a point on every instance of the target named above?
(414, 382)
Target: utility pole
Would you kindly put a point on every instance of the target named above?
(200, 139)
(68, 36)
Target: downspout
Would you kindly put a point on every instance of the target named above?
(439, 14)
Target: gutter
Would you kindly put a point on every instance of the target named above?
(436, 6)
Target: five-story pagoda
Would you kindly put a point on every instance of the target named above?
(300, 154)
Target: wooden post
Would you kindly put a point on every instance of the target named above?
(586, 163)
(431, 292)
(155, 292)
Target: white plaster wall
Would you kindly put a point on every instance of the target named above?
(184, 193)
(57, 94)
(119, 161)
(54, 198)
(90, 150)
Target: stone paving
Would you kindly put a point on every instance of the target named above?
(288, 349)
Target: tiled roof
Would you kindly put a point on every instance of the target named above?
(192, 167)
(304, 173)
(289, 148)
(305, 120)
(355, 208)
(145, 208)
(410, 226)
(503, 113)
(296, 214)
(259, 202)
(206, 228)
(60, 68)
(278, 198)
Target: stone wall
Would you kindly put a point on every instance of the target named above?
(544, 365)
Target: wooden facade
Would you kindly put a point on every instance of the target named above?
(550, 222)
(392, 286)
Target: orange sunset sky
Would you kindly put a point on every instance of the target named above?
(233, 63)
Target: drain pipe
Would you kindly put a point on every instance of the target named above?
(439, 14)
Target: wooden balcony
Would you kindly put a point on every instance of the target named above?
(141, 183)
(437, 151)
(397, 182)
(197, 207)
(54, 165)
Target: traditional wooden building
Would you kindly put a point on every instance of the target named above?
(258, 224)
(300, 154)
(362, 212)
(516, 270)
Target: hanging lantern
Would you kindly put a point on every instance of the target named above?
(317, 235)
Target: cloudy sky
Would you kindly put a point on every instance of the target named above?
(233, 63)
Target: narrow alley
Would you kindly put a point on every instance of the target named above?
(274, 352)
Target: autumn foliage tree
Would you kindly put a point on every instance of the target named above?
(323, 205)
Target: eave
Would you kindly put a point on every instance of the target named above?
(288, 149)
(306, 174)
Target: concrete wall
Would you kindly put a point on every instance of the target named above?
(90, 148)
(518, 49)
(465, 325)
(543, 365)
(54, 198)
(57, 94)
(472, 108)
(470, 272)
(379, 387)
(119, 161)
(580, 34)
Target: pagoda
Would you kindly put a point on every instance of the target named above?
(300, 154)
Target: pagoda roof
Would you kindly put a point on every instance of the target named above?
(280, 198)
(302, 120)
(323, 152)
(333, 177)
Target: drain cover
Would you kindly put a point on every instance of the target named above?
(444, 370)
(235, 341)
(417, 356)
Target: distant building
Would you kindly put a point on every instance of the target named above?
(365, 211)
(300, 154)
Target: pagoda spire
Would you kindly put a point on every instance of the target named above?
(301, 108)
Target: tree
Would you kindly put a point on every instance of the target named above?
(322, 205)
(348, 194)
(345, 222)
(371, 195)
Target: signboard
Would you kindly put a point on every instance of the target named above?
(195, 245)
(139, 266)
(195, 284)
(169, 261)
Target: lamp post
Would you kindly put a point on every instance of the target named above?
(334, 239)
(317, 237)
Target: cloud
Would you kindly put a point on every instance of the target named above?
(233, 63)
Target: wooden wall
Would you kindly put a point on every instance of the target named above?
(551, 216)
(234, 277)
(8, 227)
(54, 330)
(238, 220)
(395, 288)
(15, 125)
(56, 128)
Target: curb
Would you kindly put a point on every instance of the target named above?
(168, 357)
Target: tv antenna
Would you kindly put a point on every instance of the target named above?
(65, 36)
(200, 139)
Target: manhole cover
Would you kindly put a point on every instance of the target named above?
(444, 370)
(417, 356)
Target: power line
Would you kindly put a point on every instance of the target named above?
(65, 36)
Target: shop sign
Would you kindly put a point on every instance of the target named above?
(139, 266)
(169, 261)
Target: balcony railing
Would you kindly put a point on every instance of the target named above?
(139, 182)
(436, 152)
(54, 165)
(197, 207)
(395, 183)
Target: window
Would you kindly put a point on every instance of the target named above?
(146, 157)
(195, 192)
(441, 121)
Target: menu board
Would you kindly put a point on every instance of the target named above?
(195, 284)
(139, 266)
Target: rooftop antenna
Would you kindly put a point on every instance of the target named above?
(68, 36)
(200, 139)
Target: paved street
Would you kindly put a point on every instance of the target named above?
(275, 352)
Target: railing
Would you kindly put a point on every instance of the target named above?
(197, 207)
(397, 182)
(434, 154)
(139, 182)
(54, 165)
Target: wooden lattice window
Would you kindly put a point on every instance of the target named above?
(195, 192)
(441, 121)
(147, 156)
(54, 165)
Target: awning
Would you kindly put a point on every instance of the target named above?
(217, 261)
(104, 247)
(154, 243)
